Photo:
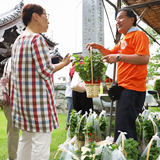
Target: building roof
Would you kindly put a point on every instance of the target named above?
(11, 15)
(147, 10)
(11, 26)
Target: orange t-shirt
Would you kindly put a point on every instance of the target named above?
(130, 76)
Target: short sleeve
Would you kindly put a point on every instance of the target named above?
(41, 57)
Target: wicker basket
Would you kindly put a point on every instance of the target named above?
(149, 147)
(60, 149)
(92, 89)
(80, 138)
(122, 149)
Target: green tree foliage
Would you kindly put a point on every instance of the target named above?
(153, 64)
(157, 86)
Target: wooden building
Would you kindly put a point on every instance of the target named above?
(11, 27)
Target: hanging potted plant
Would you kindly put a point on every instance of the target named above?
(91, 72)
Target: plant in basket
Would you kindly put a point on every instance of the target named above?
(80, 128)
(91, 132)
(84, 69)
(91, 72)
(131, 149)
(149, 130)
(153, 153)
(73, 123)
(157, 122)
(139, 127)
(139, 130)
(90, 155)
(103, 124)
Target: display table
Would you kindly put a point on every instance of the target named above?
(107, 103)
(150, 101)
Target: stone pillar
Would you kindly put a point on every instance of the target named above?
(93, 23)
(60, 99)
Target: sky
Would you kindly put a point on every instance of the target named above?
(65, 24)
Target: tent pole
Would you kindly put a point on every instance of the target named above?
(118, 35)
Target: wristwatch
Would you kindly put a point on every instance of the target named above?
(118, 57)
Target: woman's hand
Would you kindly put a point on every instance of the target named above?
(67, 59)
(62, 64)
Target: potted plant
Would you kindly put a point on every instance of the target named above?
(131, 149)
(149, 130)
(91, 72)
(103, 125)
(153, 151)
(73, 123)
(80, 126)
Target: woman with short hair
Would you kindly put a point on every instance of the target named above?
(32, 86)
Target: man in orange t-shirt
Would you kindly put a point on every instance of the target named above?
(132, 55)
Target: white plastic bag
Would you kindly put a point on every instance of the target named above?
(77, 84)
(147, 149)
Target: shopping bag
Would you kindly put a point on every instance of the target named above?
(77, 84)
(4, 88)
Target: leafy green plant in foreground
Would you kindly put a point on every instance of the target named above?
(131, 149)
(89, 154)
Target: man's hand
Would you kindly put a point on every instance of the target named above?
(93, 45)
(111, 58)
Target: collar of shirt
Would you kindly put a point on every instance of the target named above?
(133, 29)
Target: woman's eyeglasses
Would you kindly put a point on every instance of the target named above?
(47, 15)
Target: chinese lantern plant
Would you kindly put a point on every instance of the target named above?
(84, 69)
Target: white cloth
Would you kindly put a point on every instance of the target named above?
(34, 146)
(9, 66)
(110, 71)
(68, 92)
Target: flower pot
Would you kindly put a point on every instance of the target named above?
(92, 90)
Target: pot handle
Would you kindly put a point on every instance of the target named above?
(91, 65)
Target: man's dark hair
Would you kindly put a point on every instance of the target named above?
(129, 13)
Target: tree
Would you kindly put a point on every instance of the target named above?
(153, 64)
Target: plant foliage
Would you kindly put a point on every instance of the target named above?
(84, 69)
(157, 86)
(131, 148)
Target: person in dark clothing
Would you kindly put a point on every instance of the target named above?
(80, 100)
